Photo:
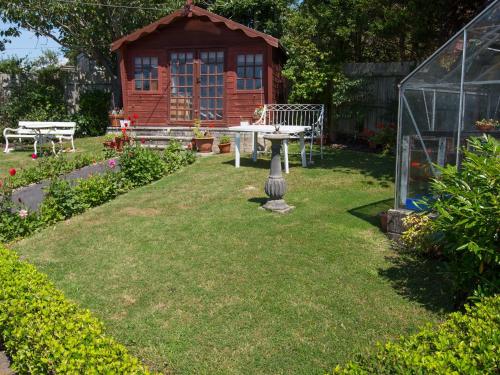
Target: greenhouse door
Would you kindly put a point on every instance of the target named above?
(197, 86)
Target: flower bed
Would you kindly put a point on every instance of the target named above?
(44, 333)
(138, 166)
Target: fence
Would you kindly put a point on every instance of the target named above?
(375, 100)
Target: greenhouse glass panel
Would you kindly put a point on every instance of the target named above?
(441, 102)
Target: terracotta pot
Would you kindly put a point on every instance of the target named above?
(204, 145)
(383, 221)
(225, 148)
(484, 128)
(114, 120)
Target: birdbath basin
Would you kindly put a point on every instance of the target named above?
(275, 186)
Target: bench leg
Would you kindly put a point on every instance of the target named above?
(237, 150)
(6, 145)
(53, 146)
(285, 152)
(35, 146)
(73, 144)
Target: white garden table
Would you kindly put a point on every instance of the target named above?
(256, 129)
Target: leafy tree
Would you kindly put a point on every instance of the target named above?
(88, 27)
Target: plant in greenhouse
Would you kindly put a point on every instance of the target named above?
(487, 124)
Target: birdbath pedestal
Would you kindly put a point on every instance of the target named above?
(275, 186)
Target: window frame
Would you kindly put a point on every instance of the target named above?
(142, 55)
(264, 72)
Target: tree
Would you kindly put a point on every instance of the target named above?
(85, 27)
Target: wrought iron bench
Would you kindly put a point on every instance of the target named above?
(309, 115)
(41, 130)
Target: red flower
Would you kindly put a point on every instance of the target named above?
(415, 164)
(380, 126)
(133, 122)
(12, 171)
(1, 183)
(143, 140)
(34, 156)
(128, 118)
(136, 116)
(211, 126)
(124, 131)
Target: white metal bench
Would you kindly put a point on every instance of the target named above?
(41, 130)
(310, 115)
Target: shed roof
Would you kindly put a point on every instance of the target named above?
(189, 11)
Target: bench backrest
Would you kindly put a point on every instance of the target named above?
(49, 127)
(293, 115)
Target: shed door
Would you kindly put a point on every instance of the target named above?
(197, 85)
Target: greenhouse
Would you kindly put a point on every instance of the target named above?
(452, 96)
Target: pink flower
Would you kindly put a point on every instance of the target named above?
(112, 163)
(23, 214)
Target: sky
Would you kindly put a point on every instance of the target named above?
(27, 45)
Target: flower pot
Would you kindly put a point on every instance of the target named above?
(225, 148)
(204, 145)
(485, 127)
(114, 120)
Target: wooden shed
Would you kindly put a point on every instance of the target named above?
(196, 64)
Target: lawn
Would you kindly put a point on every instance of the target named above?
(192, 277)
(21, 158)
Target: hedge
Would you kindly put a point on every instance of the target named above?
(467, 343)
(44, 333)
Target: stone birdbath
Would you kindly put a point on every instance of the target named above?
(275, 186)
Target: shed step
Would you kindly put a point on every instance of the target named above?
(162, 137)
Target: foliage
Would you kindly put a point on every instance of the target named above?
(51, 167)
(36, 91)
(419, 235)
(465, 344)
(98, 189)
(12, 224)
(176, 157)
(92, 117)
(61, 202)
(44, 333)
(385, 136)
(467, 204)
(141, 166)
(224, 139)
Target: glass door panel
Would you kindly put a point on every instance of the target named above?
(211, 99)
(182, 86)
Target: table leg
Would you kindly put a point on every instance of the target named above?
(285, 156)
(303, 150)
(255, 144)
(237, 151)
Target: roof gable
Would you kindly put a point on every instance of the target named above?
(189, 11)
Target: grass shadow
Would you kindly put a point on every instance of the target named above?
(369, 212)
(420, 280)
(259, 200)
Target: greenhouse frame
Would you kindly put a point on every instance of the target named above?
(450, 97)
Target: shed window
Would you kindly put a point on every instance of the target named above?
(249, 72)
(146, 73)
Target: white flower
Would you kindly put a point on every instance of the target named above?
(23, 214)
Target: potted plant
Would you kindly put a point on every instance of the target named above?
(109, 141)
(203, 140)
(486, 125)
(225, 144)
(115, 116)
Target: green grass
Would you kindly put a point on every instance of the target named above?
(21, 158)
(192, 277)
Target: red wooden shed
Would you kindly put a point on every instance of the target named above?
(196, 64)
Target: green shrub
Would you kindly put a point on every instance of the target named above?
(92, 117)
(44, 333)
(98, 189)
(419, 235)
(15, 222)
(60, 203)
(141, 166)
(467, 204)
(465, 344)
(176, 157)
